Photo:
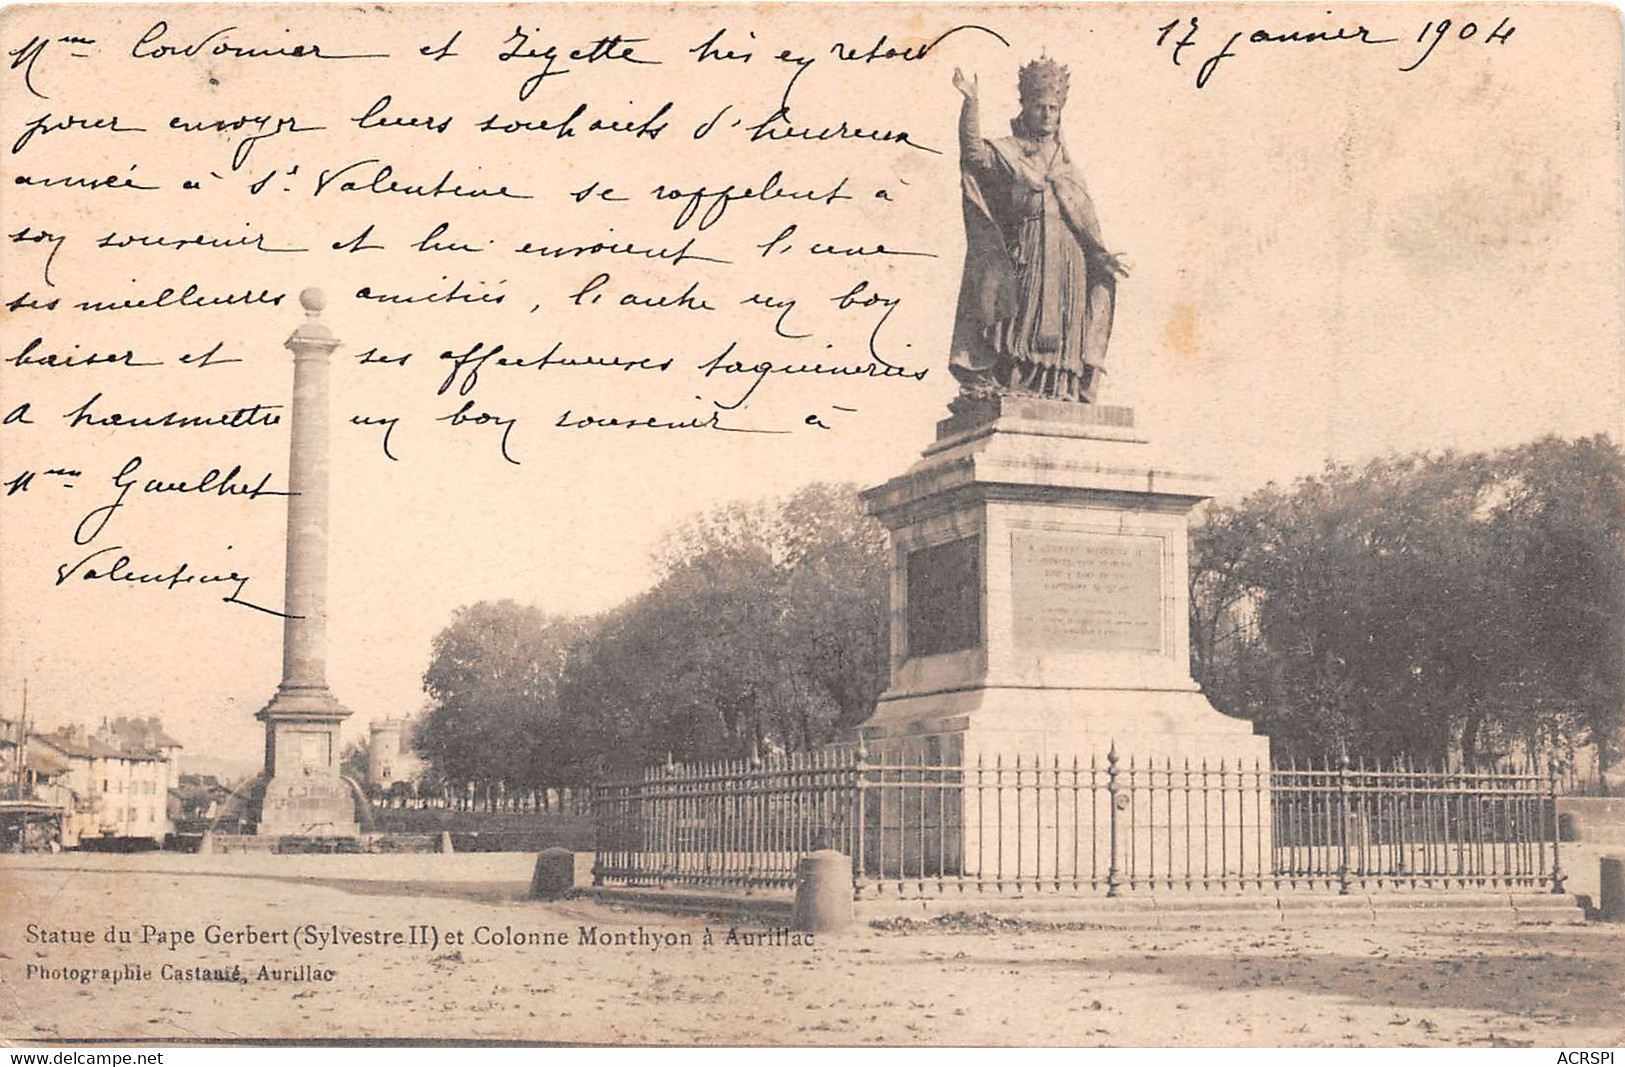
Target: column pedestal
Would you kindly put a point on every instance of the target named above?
(1040, 600)
(304, 794)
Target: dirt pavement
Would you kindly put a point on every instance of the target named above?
(1427, 983)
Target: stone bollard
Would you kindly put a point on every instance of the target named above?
(1611, 908)
(555, 875)
(445, 842)
(823, 893)
(205, 844)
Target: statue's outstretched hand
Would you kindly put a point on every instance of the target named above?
(967, 86)
(1117, 264)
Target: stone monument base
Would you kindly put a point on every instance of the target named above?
(307, 807)
(1040, 600)
(1049, 725)
(303, 793)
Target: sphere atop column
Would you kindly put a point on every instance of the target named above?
(312, 333)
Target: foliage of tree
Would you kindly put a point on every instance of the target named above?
(765, 628)
(496, 719)
(1430, 607)
(353, 761)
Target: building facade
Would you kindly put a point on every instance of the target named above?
(118, 777)
(34, 796)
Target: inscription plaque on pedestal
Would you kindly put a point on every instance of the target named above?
(1087, 592)
(944, 598)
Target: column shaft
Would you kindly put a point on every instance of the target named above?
(304, 632)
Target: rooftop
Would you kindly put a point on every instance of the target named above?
(70, 741)
(132, 734)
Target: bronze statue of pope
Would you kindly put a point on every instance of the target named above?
(1036, 303)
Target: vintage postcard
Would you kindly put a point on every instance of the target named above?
(812, 524)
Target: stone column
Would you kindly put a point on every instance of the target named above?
(304, 631)
(303, 792)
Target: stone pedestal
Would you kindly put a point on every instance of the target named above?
(303, 792)
(1039, 598)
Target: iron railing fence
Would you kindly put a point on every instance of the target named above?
(735, 823)
(1110, 824)
(1431, 828)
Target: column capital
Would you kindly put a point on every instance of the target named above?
(312, 337)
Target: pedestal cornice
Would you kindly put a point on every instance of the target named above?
(1040, 451)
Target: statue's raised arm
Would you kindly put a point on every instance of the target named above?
(974, 152)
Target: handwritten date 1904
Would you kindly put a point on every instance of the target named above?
(1183, 33)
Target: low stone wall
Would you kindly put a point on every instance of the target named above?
(576, 837)
(435, 820)
(117, 844)
(1592, 820)
(364, 844)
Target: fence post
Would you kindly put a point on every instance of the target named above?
(1343, 823)
(1558, 877)
(1113, 873)
(859, 784)
(755, 812)
(599, 806)
(669, 828)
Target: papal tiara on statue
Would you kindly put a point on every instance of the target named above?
(1044, 79)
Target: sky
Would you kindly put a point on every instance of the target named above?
(1333, 260)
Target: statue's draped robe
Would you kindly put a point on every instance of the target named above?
(1035, 306)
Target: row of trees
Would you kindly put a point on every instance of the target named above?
(1430, 607)
(766, 629)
